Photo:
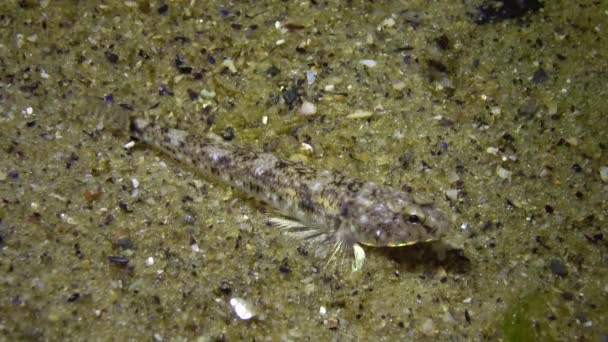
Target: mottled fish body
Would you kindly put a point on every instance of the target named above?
(324, 207)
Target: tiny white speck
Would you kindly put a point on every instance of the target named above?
(130, 144)
(464, 226)
(135, 183)
(194, 247)
(468, 300)
(44, 75)
(322, 311)
(150, 261)
(280, 41)
(29, 111)
(265, 120)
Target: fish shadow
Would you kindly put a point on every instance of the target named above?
(428, 256)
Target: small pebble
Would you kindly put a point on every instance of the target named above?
(452, 194)
(428, 327)
(311, 76)
(398, 85)
(558, 267)
(228, 63)
(242, 308)
(604, 174)
(360, 114)
(503, 173)
(307, 108)
(370, 63)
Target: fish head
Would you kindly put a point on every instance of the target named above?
(398, 220)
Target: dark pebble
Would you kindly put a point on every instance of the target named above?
(291, 96)
(108, 98)
(124, 206)
(273, 71)
(284, 268)
(568, 295)
(540, 76)
(302, 251)
(558, 267)
(594, 237)
(225, 288)
(192, 94)
(224, 12)
(74, 297)
(108, 220)
(228, 133)
(577, 168)
(124, 243)
(163, 9)
(407, 60)
(505, 9)
(118, 260)
(111, 57)
(184, 69)
(13, 174)
(126, 106)
(467, 316)
(164, 89)
(443, 42)
(548, 209)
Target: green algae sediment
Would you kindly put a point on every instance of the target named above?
(466, 102)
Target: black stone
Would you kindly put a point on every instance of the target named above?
(540, 76)
(118, 260)
(493, 10)
(111, 57)
(558, 267)
(228, 133)
(291, 96)
(124, 243)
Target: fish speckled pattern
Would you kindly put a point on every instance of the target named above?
(327, 208)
